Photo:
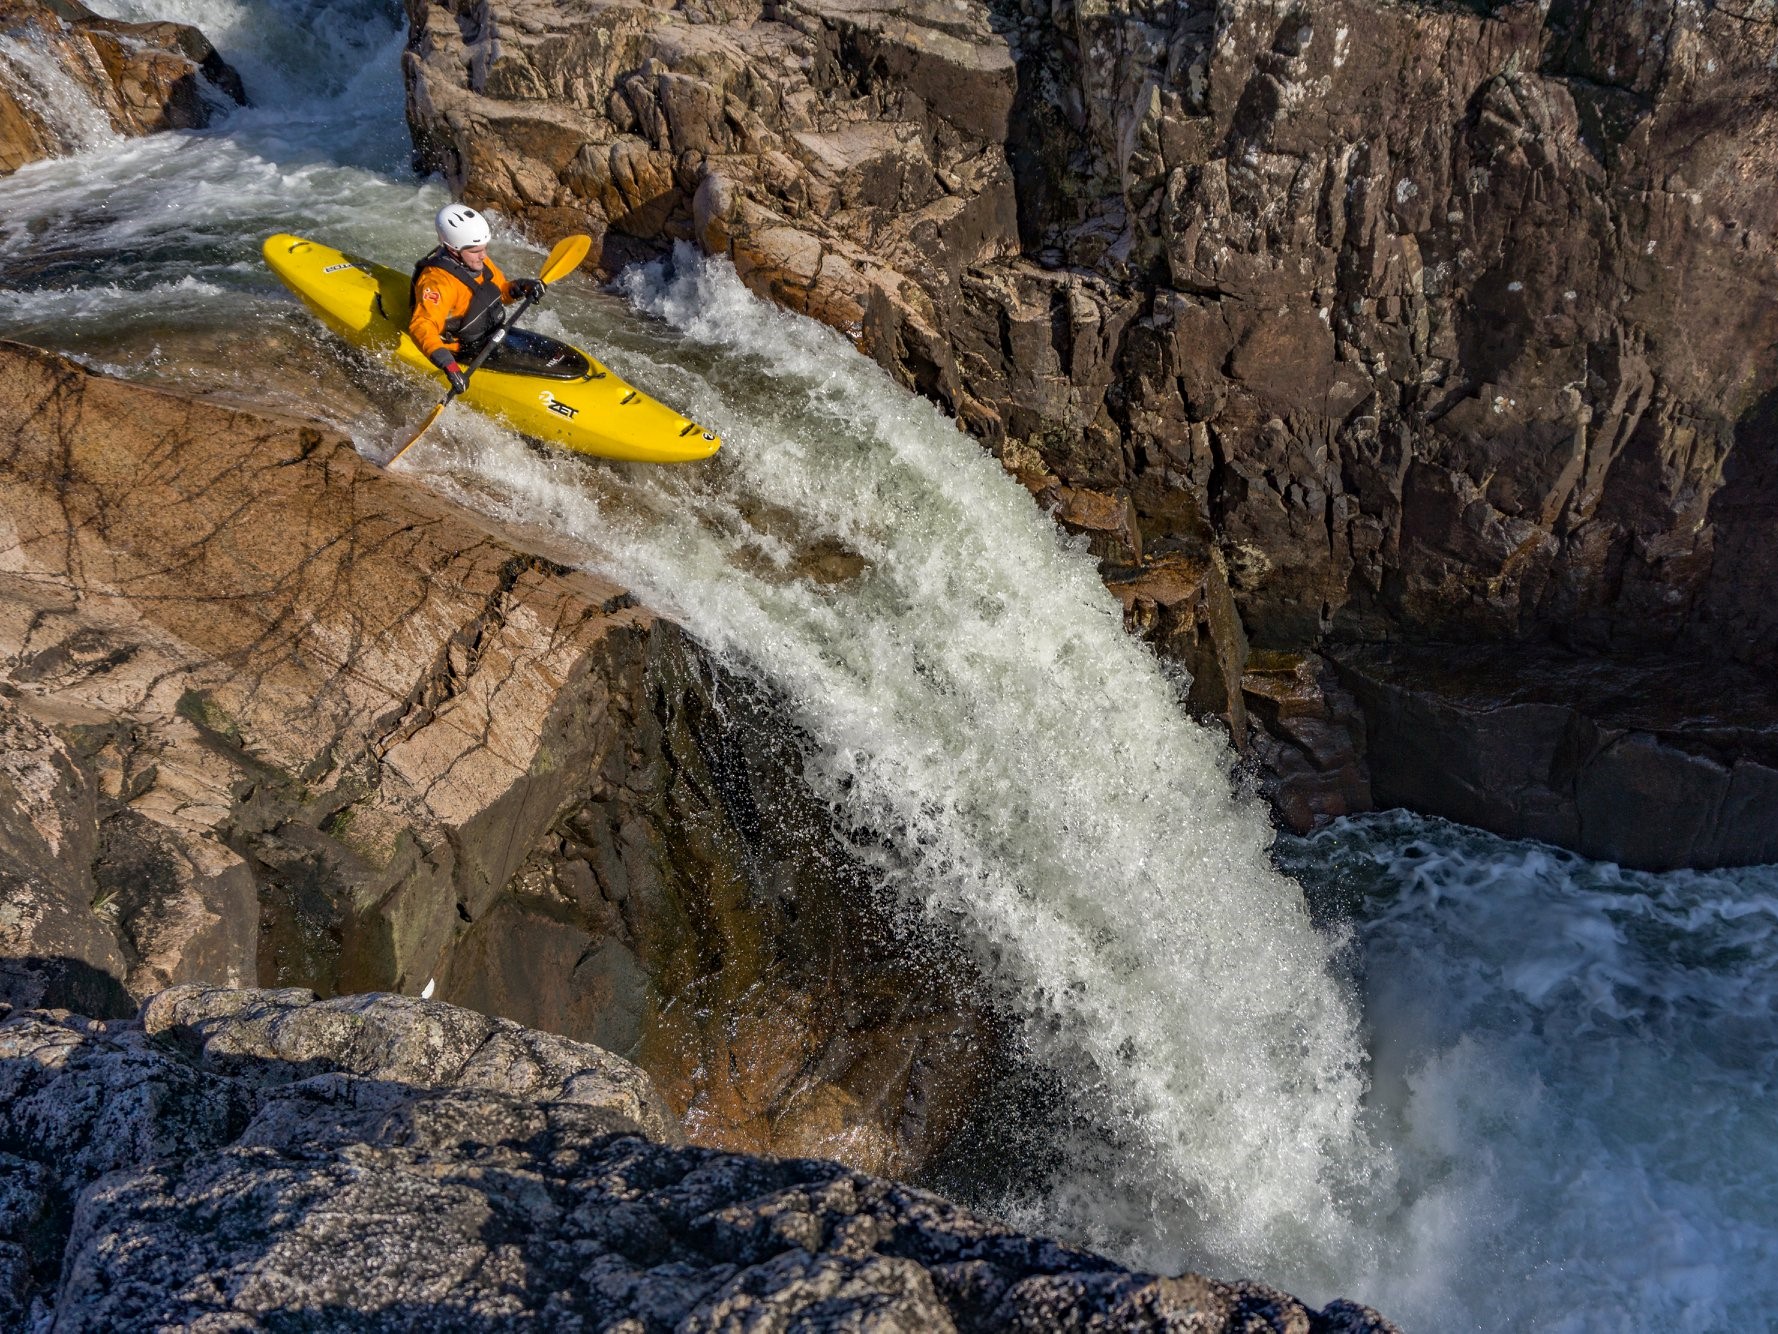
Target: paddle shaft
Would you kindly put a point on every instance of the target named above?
(494, 340)
(498, 337)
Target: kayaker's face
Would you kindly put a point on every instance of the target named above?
(474, 256)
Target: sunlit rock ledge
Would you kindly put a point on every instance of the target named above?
(248, 1159)
(272, 716)
(138, 77)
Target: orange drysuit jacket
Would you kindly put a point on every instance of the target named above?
(441, 297)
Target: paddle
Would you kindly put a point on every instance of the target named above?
(563, 260)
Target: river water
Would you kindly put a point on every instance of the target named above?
(1480, 1084)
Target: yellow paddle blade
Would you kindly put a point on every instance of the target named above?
(414, 439)
(565, 258)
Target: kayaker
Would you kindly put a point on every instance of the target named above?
(459, 294)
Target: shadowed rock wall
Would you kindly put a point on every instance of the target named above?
(1438, 319)
(697, 914)
(1368, 321)
(1653, 763)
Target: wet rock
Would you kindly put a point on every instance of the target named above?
(357, 1188)
(137, 77)
(1657, 763)
(746, 963)
(1181, 604)
(1106, 519)
(1309, 742)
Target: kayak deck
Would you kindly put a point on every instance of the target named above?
(538, 385)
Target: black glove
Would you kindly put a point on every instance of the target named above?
(524, 288)
(446, 361)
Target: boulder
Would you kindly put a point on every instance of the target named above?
(294, 688)
(203, 1069)
(254, 1159)
(67, 74)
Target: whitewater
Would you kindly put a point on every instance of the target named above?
(1478, 1084)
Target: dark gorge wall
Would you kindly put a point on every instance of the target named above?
(1439, 323)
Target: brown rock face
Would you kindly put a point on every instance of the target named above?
(739, 958)
(293, 689)
(1309, 738)
(269, 716)
(140, 77)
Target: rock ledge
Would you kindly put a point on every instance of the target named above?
(250, 1159)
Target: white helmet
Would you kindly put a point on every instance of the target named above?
(460, 227)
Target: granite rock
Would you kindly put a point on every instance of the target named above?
(1435, 323)
(1440, 319)
(270, 716)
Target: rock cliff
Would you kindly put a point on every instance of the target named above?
(1438, 318)
(1407, 321)
(269, 716)
(260, 1160)
(64, 69)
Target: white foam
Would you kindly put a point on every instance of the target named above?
(109, 303)
(1576, 1063)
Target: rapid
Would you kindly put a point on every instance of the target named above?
(1478, 1084)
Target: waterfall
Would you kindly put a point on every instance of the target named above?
(1004, 756)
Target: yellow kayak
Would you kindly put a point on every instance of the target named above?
(539, 386)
